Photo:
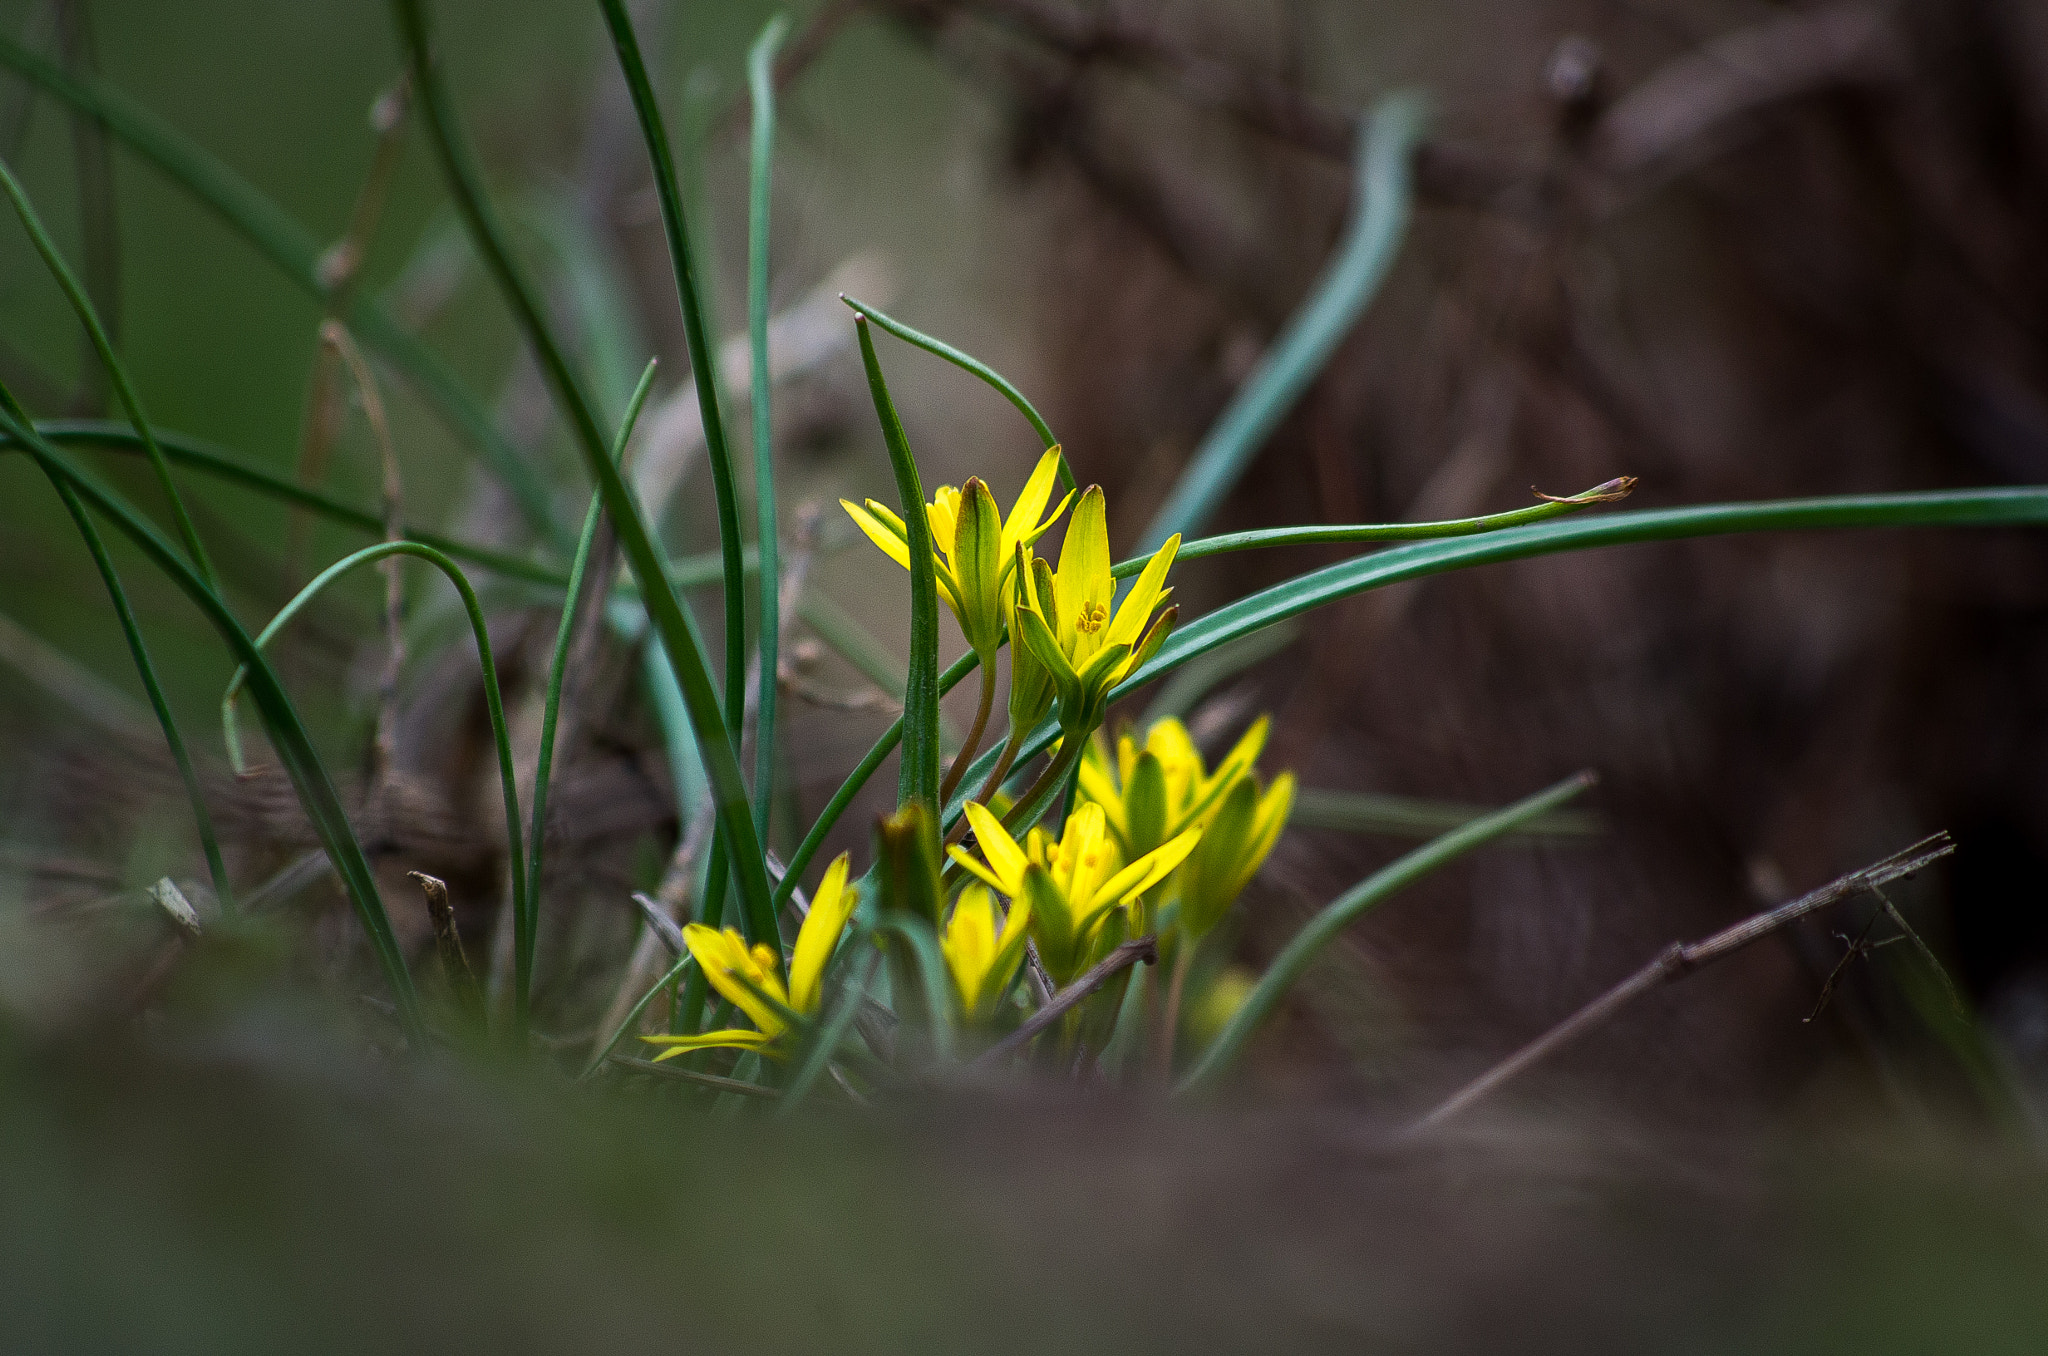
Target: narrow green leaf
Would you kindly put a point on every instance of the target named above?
(920, 780)
(1340, 913)
(2003, 507)
(671, 623)
(524, 920)
(294, 252)
(1264, 538)
(1379, 219)
(131, 630)
(558, 664)
(287, 732)
(117, 371)
(969, 363)
(703, 359)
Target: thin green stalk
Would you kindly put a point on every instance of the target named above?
(294, 252)
(523, 912)
(800, 860)
(920, 779)
(132, 631)
(969, 363)
(703, 354)
(1340, 913)
(558, 664)
(768, 611)
(117, 372)
(818, 1056)
(1379, 220)
(184, 450)
(664, 609)
(287, 732)
(1263, 538)
(675, 972)
(972, 744)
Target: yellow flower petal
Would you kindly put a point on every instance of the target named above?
(831, 906)
(708, 1040)
(880, 533)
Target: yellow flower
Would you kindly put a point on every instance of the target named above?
(983, 963)
(1069, 886)
(1151, 792)
(1234, 844)
(974, 547)
(1154, 793)
(1068, 621)
(747, 975)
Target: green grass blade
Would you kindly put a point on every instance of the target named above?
(1415, 817)
(920, 780)
(932, 973)
(664, 609)
(117, 371)
(683, 963)
(818, 1054)
(558, 663)
(132, 631)
(287, 732)
(967, 362)
(1263, 538)
(768, 611)
(184, 450)
(703, 356)
(295, 253)
(2003, 507)
(1379, 220)
(1340, 913)
(523, 913)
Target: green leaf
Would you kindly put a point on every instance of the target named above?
(1294, 958)
(671, 623)
(287, 732)
(295, 253)
(1380, 218)
(971, 364)
(524, 920)
(920, 779)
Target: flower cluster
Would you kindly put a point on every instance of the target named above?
(1154, 843)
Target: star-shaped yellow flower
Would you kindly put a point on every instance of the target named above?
(747, 975)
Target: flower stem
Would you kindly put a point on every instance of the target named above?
(974, 734)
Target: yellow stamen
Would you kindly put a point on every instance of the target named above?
(1094, 616)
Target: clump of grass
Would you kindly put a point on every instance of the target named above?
(1095, 865)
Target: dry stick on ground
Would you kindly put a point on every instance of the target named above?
(1680, 960)
(1144, 949)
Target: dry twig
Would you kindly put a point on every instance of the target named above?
(1680, 960)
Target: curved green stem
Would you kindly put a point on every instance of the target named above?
(1340, 913)
(972, 745)
(132, 631)
(523, 916)
(117, 371)
(1262, 538)
(1379, 219)
(968, 363)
